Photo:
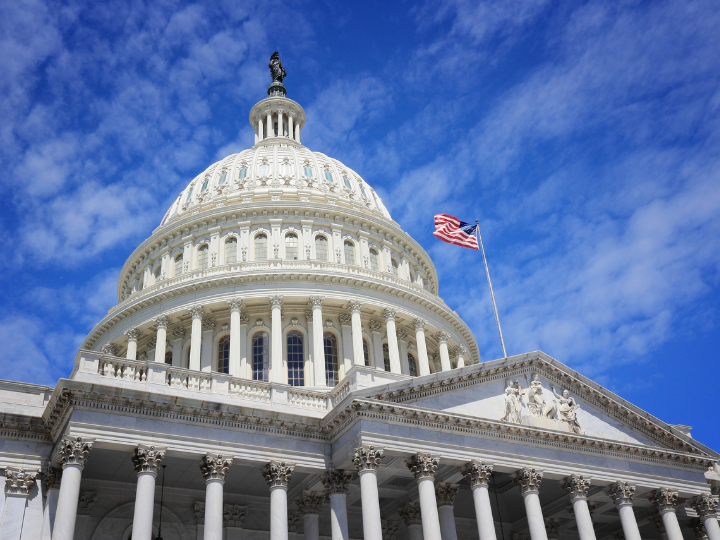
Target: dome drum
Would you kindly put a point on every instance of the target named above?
(277, 118)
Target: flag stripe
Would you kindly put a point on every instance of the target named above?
(453, 231)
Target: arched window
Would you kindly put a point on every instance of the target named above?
(347, 182)
(291, 246)
(168, 357)
(412, 364)
(231, 250)
(264, 169)
(308, 171)
(223, 358)
(203, 256)
(374, 264)
(261, 247)
(204, 184)
(189, 195)
(222, 179)
(366, 353)
(394, 267)
(321, 248)
(158, 272)
(242, 173)
(260, 356)
(362, 191)
(331, 359)
(295, 358)
(286, 168)
(329, 177)
(178, 264)
(386, 356)
(349, 252)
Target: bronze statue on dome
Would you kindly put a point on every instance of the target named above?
(276, 68)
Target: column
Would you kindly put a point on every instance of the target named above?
(367, 460)
(423, 362)
(528, 480)
(294, 519)
(214, 468)
(86, 501)
(347, 360)
(411, 515)
(208, 331)
(478, 474)
(195, 337)
(706, 507)
(357, 339)
(280, 123)
(389, 315)
(18, 483)
(269, 126)
(276, 364)
(52, 485)
(309, 504)
(402, 336)
(235, 338)
(664, 501)
(291, 128)
(146, 461)
(297, 132)
(577, 487)
(310, 359)
(178, 334)
(375, 329)
(132, 336)
(423, 466)
(259, 130)
(445, 496)
(245, 367)
(461, 354)
(657, 520)
(442, 338)
(161, 339)
(622, 494)
(318, 346)
(336, 483)
(277, 475)
(73, 455)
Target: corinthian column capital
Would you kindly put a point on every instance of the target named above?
(19, 481)
(621, 493)
(162, 321)
(132, 334)
(196, 312)
(316, 301)
(214, 467)
(278, 474)
(664, 500)
(528, 480)
(410, 513)
(336, 481)
(110, 348)
(442, 337)
(74, 451)
(705, 505)
(367, 458)
(577, 486)
(53, 476)
(354, 306)
(445, 493)
(310, 502)
(477, 472)
(275, 301)
(235, 304)
(423, 465)
(419, 324)
(147, 459)
(389, 314)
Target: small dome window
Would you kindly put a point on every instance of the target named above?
(223, 176)
(264, 169)
(394, 267)
(158, 272)
(203, 256)
(349, 252)
(286, 168)
(321, 248)
(291, 247)
(189, 195)
(362, 191)
(347, 182)
(204, 185)
(308, 171)
(261, 247)
(231, 250)
(329, 177)
(242, 173)
(178, 265)
(374, 264)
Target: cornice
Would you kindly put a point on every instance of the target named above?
(18, 426)
(585, 389)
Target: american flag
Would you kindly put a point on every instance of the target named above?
(453, 231)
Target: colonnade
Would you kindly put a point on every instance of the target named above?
(397, 342)
(266, 126)
(431, 518)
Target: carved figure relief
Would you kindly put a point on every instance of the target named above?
(513, 408)
(565, 409)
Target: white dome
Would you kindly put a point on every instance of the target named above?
(270, 171)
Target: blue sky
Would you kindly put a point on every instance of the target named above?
(584, 136)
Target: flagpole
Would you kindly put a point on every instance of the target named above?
(492, 295)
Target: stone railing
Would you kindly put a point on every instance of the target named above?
(274, 265)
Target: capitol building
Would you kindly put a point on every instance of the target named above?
(280, 365)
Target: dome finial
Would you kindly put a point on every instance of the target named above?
(277, 88)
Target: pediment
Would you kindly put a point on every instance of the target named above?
(587, 408)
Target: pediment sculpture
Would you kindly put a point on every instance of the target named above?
(559, 414)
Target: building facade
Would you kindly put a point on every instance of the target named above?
(280, 365)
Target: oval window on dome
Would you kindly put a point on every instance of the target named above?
(329, 177)
(362, 191)
(204, 185)
(347, 182)
(264, 169)
(189, 196)
(223, 176)
(308, 171)
(242, 173)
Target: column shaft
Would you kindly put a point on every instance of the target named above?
(144, 505)
(483, 513)
(447, 523)
(428, 509)
(444, 356)
(318, 346)
(583, 519)
(533, 510)
(672, 527)
(276, 367)
(415, 532)
(291, 127)
(64, 528)
(393, 345)
(260, 130)
(131, 349)
(51, 503)
(213, 510)
(160, 344)
(235, 343)
(206, 359)
(424, 364)
(278, 513)
(280, 124)
(629, 523)
(195, 342)
(711, 527)
(311, 527)
(269, 126)
(372, 527)
(338, 516)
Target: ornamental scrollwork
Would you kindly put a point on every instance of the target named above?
(208, 324)
(367, 458)
(423, 465)
(345, 320)
(214, 466)
(442, 337)
(478, 473)
(278, 474)
(276, 301)
(53, 477)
